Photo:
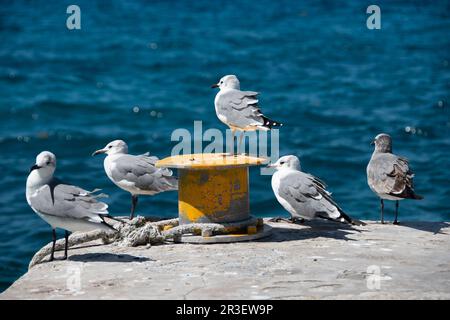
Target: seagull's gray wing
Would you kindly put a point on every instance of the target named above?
(318, 182)
(390, 174)
(308, 197)
(240, 108)
(141, 171)
(66, 201)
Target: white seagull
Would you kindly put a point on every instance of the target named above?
(135, 174)
(238, 109)
(303, 195)
(63, 205)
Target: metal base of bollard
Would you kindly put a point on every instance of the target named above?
(262, 232)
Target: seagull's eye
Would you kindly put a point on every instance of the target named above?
(282, 162)
(221, 82)
(110, 147)
(48, 163)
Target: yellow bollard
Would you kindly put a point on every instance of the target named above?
(214, 188)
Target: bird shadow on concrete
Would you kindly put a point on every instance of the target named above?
(433, 227)
(282, 231)
(106, 257)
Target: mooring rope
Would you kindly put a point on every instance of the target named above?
(131, 233)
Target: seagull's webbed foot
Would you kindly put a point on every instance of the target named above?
(396, 223)
(53, 258)
(57, 259)
(287, 220)
(299, 220)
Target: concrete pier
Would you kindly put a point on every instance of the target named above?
(316, 260)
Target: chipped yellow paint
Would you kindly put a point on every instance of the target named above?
(189, 212)
(213, 195)
(168, 227)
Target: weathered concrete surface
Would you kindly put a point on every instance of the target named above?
(311, 261)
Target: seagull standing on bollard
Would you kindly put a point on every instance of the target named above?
(303, 195)
(388, 175)
(62, 205)
(135, 174)
(238, 109)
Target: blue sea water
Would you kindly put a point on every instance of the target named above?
(137, 70)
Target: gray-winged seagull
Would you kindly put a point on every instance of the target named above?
(62, 205)
(303, 195)
(388, 175)
(135, 174)
(238, 109)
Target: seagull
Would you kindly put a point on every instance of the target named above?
(238, 109)
(135, 174)
(63, 205)
(303, 195)
(388, 175)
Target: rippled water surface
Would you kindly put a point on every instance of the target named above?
(139, 70)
